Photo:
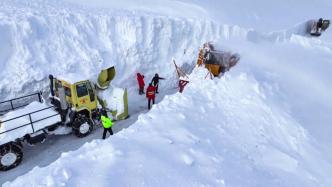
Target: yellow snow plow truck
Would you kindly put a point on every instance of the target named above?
(216, 61)
(74, 105)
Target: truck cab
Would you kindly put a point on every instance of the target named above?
(80, 95)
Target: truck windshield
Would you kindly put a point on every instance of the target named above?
(81, 90)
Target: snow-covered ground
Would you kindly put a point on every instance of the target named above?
(266, 123)
(198, 138)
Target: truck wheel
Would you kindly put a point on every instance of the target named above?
(82, 126)
(11, 155)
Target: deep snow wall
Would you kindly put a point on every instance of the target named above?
(58, 41)
(39, 38)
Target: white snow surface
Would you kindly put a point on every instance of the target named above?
(197, 138)
(266, 123)
(20, 117)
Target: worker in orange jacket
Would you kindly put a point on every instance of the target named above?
(151, 95)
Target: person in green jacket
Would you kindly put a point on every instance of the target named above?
(107, 124)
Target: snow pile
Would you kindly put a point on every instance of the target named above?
(205, 136)
(20, 117)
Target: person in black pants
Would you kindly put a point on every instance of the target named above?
(107, 124)
(155, 81)
(150, 95)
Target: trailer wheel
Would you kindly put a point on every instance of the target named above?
(11, 155)
(82, 126)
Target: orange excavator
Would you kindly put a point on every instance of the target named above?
(217, 62)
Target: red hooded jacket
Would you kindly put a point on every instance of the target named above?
(140, 80)
(151, 92)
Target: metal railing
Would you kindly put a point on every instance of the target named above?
(31, 122)
(13, 107)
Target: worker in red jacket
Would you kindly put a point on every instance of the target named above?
(150, 94)
(141, 84)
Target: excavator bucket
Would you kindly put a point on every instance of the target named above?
(105, 77)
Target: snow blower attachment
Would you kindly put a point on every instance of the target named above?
(75, 105)
(317, 27)
(217, 62)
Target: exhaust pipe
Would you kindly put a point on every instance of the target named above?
(51, 85)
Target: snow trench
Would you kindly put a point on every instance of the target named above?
(37, 45)
(58, 41)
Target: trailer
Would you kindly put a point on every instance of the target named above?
(28, 123)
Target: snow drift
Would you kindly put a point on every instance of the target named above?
(194, 139)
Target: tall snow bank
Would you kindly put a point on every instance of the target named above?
(41, 38)
(220, 132)
(51, 37)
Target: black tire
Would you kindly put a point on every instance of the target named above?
(11, 155)
(82, 126)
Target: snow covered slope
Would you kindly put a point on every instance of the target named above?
(204, 137)
(20, 117)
